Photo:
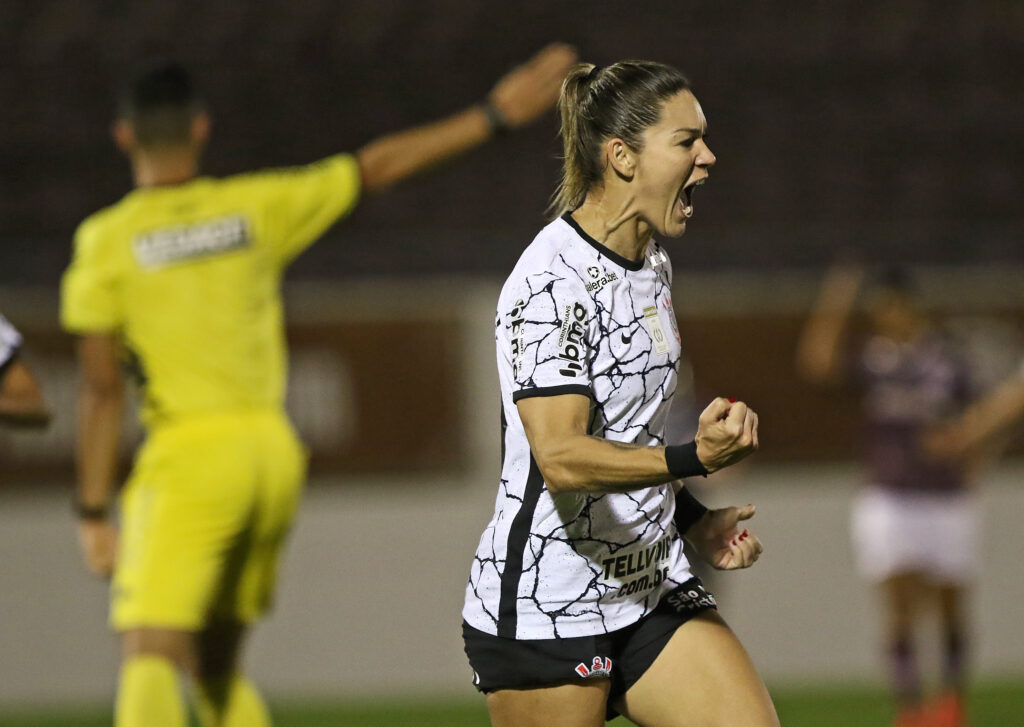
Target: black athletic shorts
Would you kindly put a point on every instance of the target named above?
(622, 656)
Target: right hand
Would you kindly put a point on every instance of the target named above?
(531, 89)
(726, 433)
(98, 539)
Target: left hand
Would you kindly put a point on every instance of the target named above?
(721, 542)
(98, 540)
(529, 90)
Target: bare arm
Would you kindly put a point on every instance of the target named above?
(21, 398)
(100, 402)
(982, 424)
(572, 460)
(820, 349)
(519, 98)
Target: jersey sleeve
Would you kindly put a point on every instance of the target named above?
(550, 338)
(10, 343)
(304, 201)
(90, 296)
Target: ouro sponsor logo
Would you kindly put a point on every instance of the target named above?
(571, 340)
(517, 336)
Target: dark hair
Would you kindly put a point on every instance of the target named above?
(604, 102)
(160, 99)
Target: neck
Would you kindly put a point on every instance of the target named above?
(614, 223)
(159, 167)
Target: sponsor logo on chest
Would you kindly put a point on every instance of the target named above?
(598, 278)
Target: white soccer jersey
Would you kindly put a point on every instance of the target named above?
(575, 317)
(10, 342)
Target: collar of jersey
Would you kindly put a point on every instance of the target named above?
(624, 262)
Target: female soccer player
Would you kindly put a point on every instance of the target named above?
(914, 526)
(580, 603)
(21, 399)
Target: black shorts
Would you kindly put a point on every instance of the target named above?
(622, 656)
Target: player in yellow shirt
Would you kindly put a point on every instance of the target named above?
(180, 279)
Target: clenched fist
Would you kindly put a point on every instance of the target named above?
(726, 433)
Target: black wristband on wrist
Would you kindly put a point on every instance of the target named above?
(90, 512)
(688, 510)
(682, 461)
(499, 124)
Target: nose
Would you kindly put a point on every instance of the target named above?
(705, 157)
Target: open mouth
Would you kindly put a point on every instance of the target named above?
(686, 197)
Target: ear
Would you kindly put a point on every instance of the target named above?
(620, 157)
(123, 134)
(200, 128)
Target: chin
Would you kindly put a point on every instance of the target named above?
(673, 230)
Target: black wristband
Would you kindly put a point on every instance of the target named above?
(499, 124)
(90, 512)
(688, 510)
(682, 461)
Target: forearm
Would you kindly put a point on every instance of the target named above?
(819, 351)
(390, 159)
(99, 429)
(992, 417)
(591, 464)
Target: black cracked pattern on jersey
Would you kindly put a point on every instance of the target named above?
(621, 364)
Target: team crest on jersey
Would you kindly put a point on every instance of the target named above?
(184, 242)
(572, 340)
(667, 302)
(598, 668)
(598, 278)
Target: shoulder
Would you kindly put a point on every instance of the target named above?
(553, 258)
(100, 229)
(343, 164)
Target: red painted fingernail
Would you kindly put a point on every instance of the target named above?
(732, 399)
(734, 541)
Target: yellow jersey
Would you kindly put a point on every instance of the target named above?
(188, 275)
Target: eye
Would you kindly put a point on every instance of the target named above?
(688, 143)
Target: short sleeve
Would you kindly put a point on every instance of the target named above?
(550, 338)
(90, 295)
(10, 343)
(305, 201)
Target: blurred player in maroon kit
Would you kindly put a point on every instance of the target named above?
(914, 525)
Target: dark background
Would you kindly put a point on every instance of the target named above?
(892, 126)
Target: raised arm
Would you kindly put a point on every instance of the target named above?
(518, 99)
(572, 460)
(101, 399)
(820, 348)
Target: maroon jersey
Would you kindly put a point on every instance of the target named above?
(908, 388)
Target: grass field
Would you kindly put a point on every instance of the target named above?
(991, 705)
